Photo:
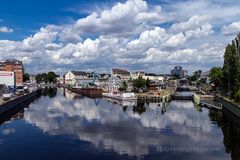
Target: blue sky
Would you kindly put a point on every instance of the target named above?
(152, 35)
(27, 16)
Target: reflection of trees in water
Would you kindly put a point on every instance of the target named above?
(125, 108)
(216, 117)
(45, 91)
(231, 140)
(140, 108)
(50, 92)
(198, 108)
(231, 133)
(164, 108)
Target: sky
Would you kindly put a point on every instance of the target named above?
(138, 35)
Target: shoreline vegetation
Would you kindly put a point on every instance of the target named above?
(226, 79)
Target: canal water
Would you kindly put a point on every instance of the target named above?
(63, 125)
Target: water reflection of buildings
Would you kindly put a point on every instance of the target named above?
(138, 107)
(70, 95)
(126, 132)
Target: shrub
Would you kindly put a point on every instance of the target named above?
(237, 96)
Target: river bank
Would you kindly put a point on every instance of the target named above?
(19, 101)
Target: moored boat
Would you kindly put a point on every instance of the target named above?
(121, 96)
(92, 92)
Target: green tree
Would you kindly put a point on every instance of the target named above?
(148, 83)
(231, 68)
(139, 82)
(216, 76)
(123, 87)
(52, 77)
(52, 92)
(45, 77)
(175, 76)
(38, 78)
(195, 76)
(237, 96)
(26, 77)
(130, 80)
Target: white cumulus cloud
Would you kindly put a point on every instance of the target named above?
(5, 29)
(134, 34)
(231, 29)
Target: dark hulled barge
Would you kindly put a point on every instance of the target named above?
(92, 92)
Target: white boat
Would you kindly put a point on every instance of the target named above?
(121, 96)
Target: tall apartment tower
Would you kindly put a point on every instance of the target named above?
(178, 70)
(15, 66)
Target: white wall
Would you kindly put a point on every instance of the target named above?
(69, 76)
(154, 78)
(7, 78)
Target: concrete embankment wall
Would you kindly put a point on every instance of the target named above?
(19, 101)
(228, 106)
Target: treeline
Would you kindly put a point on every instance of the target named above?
(140, 84)
(49, 77)
(228, 76)
(137, 84)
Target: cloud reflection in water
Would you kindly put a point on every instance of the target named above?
(108, 126)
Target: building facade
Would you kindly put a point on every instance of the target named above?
(135, 75)
(15, 66)
(71, 77)
(32, 78)
(81, 78)
(155, 78)
(113, 84)
(205, 76)
(123, 74)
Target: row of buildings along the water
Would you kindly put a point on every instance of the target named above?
(11, 74)
(111, 81)
(117, 76)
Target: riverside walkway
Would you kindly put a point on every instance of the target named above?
(211, 104)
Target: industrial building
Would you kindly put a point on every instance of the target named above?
(15, 66)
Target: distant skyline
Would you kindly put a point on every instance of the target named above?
(153, 36)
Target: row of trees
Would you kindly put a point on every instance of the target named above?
(228, 77)
(141, 83)
(137, 84)
(26, 77)
(49, 77)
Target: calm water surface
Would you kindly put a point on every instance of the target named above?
(62, 125)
